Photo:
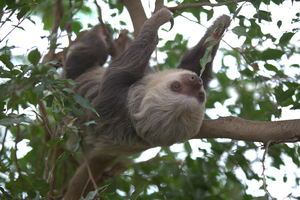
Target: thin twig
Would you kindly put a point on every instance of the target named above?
(16, 26)
(53, 174)
(16, 149)
(85, 186)
(89, 169)
(3, 141)
(106, 31)
(69, 25)
(8, 17)
(47, 165)
(264, 168)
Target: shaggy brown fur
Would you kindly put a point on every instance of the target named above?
(138, 108)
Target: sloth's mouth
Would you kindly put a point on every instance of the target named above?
(201, 97)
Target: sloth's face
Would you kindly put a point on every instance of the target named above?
(178, 84)
(172, 109)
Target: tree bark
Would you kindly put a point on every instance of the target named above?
(137, 14)
(246, 130)
(80, 183)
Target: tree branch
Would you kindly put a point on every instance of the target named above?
(81, 177)
(264, 169)
(158, 5)
(58, 12)
(197, 5)
(241, 129)
(3, 141)
(137, 14)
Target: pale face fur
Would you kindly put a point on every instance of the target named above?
(165, 117)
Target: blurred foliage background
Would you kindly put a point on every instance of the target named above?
(257, 75)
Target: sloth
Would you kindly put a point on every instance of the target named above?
(138, 108)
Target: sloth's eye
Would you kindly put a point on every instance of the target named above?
(176, 86)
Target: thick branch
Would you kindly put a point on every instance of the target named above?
(158, 5)
(81, 181)
(197, 5)
(241, 129)
(137, 14)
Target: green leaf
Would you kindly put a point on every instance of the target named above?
(31, 193)
(271, 54)
(285, 38)
(42, 186)
(76, 27)
(89, 122)
(51, 143)
(23, 11)
(49, 100)
(34, 56)
(123, 23)
(84, 103)
(285, 179)
(207, 56)
(92, 194)
(39, 89)
(5, 58)
(66, 81)
(5, 194)
(13, 119)
(271, 67)
(13, 6)
(279, 23)
(139, 189)
(295, 65)
(6, 48)
(237, 12)
(76, 111)
(3, 90)
(187, 147)
(62, 157)
(76, 144)
(263, 15)
(68, 90)
(240, 31)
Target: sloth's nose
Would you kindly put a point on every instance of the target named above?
(192, 86)
(193, 80)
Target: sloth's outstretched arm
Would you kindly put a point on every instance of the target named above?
(191, 59)
(130, 66)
